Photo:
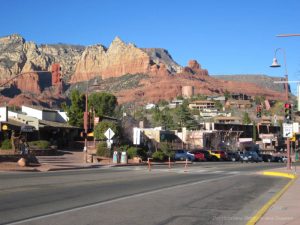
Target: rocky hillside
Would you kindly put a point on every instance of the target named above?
(120, 59)
(18, 56)
(133, 74)
(263, 81)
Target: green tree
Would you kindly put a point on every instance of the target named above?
(218, 105)
(227, 94)
(76, 109)
(259, 100)
(167, 120)
(246, 119)
(185, 118)
(164, 119)
(103, 103)
(102, 127)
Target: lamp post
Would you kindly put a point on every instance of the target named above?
(274, 65)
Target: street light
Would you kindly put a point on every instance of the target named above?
(275, 64)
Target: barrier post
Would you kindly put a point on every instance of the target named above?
(149, 164)
(186, 163)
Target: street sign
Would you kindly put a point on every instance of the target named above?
(287, 130)
(109, 133)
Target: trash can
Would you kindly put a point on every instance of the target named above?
(116, 157)
(124, 158)
(297, 156)
(89, 158)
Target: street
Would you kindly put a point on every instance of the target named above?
(203, 193)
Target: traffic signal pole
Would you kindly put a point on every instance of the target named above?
(288, 147)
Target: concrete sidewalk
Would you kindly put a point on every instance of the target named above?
(286, 210)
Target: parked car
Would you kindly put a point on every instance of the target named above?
(267, 158)
(199, 155)
(223, 154)
(233, 156)
(282, 159)
(251, 156)
(206, 154)
(183, 155)
(214, 156)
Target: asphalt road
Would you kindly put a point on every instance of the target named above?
(203, 193)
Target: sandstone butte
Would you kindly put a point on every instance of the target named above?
(80, 64)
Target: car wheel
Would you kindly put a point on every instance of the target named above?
(233, 159)
(181, 158)
(269, 160)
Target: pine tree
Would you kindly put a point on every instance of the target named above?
(76, 109)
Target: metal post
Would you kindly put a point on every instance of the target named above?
(287, 100)
(288, 149)
(85, 123)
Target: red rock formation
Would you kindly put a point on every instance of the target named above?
(119, 59)
(194, 68)
(29, 83)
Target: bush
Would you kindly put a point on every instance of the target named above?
(159, 156)
(102, 150)
(41, 144)
(6, 144)
(134, 151)
(131, 152)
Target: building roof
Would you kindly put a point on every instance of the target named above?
(202, 101)
(227, 118)
(46, 123)
(241, 102)
(41, 108)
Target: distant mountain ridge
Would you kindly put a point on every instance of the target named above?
(261, 80)
(133, 74)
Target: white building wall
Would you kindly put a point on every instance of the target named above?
(33, 112)
(12, 114)
(3, 114)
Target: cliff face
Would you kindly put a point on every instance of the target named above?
(18, 56)
(120, 59)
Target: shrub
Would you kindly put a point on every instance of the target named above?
(131, 152)
(6, 144)
(134, 151)
(102, 150)
(158, 156)
(41, 144)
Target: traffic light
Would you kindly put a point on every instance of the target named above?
(288, 112)
(258, 111)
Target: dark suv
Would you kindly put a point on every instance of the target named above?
(250, 156)
(267, 158)
(233, 156)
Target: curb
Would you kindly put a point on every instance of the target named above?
(275, 198)
(280, 174)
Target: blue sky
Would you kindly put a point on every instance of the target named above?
(226, 37)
